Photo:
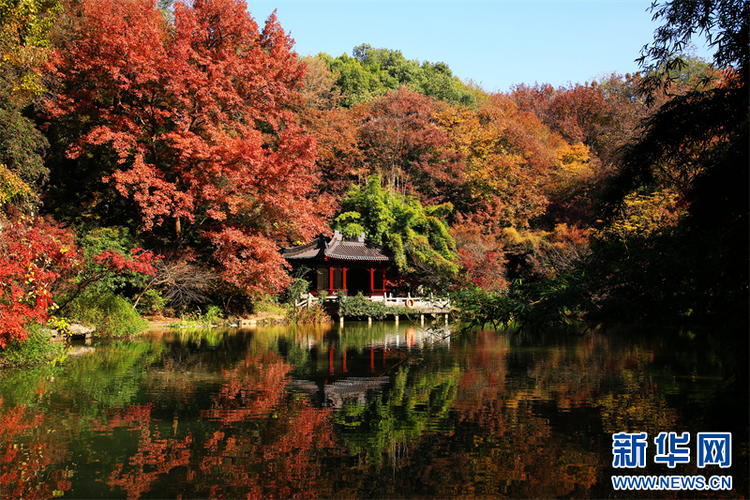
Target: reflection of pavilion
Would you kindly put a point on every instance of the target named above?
(360, 358)
(363, 336)
(335, 393)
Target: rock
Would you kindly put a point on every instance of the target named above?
(79, 329)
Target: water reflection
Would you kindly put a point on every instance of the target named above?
(377, 411)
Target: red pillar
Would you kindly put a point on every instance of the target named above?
(330, 279)
(343, 279)
(385, 289)
(372, 280)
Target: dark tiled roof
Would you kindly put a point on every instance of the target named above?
(355, 250)
(337, 248)
(315, 248)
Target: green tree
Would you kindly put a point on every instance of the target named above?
(370, 73)
(417, 235)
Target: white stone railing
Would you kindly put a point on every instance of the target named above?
(431, 303)
(419, 303)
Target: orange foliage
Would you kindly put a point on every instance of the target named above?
(198, 115)
(402, 144)
(481, 256)
(508, 156)
(155, 457)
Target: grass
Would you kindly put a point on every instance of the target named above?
(36, 349)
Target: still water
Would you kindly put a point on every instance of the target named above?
(380, 411)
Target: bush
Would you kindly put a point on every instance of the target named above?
(531, 306)
(213, 316)
(111, 314)
(360, 306)
(268, 305)
(151, 302)
(304, 315)
(37, 348)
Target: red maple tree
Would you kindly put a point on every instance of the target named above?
(198, 113)
(34, 255)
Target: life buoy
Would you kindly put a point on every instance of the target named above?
(410, 303)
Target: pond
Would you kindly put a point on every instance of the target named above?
(366, 411)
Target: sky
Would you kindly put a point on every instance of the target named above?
(496, 44)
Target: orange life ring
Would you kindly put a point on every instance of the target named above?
(410, 303)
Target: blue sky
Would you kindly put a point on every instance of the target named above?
(494, 43)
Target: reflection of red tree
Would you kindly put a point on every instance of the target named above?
(482, 387)
(270, 444)
(266, 443)
(252, 389)
(155, 456)
(28, 455)
(282, 459)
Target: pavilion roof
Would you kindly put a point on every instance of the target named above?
(336, 247)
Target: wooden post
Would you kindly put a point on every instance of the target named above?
(343, 278)
(330, 279)
(372, 280)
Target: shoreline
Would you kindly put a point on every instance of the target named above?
(259, 319)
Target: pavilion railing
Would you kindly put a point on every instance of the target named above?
(431, 303)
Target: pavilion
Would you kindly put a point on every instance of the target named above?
(343, 266)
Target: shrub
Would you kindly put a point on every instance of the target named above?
(37, 348)
(109, 313)
(360, 306)
(268, 305)
(151, 302)
(308, 315)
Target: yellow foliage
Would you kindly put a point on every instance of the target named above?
(526, 239)
(505, 160)
(574, 159)
(572, 170)
(645, 215)
(24, 43)
(12, 188)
